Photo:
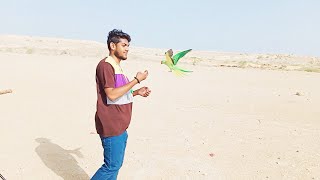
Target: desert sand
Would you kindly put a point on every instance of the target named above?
(237, 116)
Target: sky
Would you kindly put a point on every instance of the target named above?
(245, 26)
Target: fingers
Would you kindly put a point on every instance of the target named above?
(142, 75)
(147, 92)
(145, 73)
(146, 89)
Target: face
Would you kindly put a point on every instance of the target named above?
(121, 49)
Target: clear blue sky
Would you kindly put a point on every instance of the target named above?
(273, 26)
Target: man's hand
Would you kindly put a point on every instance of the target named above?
(142, 75)
(144, 91)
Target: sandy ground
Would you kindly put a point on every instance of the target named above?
(237, 116)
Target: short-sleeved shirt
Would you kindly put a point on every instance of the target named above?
(112, 117)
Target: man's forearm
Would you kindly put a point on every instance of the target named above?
(115, 93)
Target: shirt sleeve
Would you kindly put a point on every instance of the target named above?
(105, 75)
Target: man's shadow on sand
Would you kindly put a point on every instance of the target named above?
(59, 160)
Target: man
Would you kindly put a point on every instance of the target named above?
(114, 104)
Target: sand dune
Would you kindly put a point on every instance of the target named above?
(66, 47)
(237, 116)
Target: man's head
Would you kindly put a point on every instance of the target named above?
(118, 43)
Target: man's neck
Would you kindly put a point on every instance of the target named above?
(115, 58)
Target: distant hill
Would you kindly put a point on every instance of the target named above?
(84, 48)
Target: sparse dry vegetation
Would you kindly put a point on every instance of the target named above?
(6, 91)
(195, 60)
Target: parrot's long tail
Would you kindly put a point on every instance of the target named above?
(182, 69)
(180, 72)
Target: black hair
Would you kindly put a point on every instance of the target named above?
(115, 36)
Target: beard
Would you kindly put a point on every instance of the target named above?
(122, 57)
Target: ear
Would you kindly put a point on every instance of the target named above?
(113, 46)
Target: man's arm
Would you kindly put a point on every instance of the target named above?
(115, 93)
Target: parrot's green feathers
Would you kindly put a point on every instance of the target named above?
(179, 55)
(171, 62)
(182, 69)
(180, 72)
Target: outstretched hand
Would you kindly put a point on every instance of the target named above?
(142, 75)
(144, 91)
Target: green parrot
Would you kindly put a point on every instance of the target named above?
(171, 61)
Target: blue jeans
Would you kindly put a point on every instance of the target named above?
(113, 152)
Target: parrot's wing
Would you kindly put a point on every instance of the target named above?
(168, 57)
(179, 55)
